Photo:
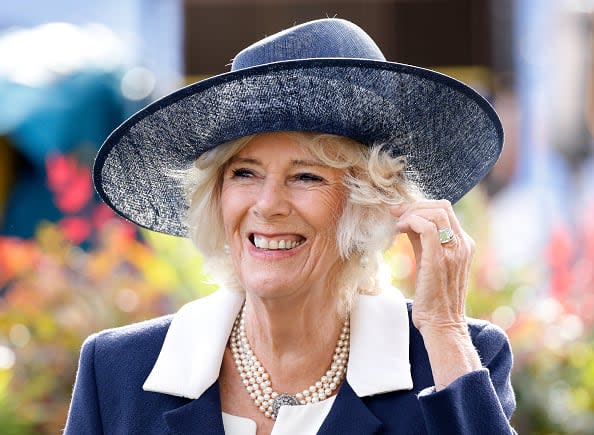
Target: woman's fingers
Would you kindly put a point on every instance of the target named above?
(442, 222)
(421, 232)
(444, 212)
(434, 216)
(423, 224)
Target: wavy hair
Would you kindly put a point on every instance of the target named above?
(374, 178)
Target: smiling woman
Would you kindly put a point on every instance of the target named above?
(272, 191)
(360, 177)
(292, 174)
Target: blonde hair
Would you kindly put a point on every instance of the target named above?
(374, 178)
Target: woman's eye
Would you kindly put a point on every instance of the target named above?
(242, 173)
(309, 177)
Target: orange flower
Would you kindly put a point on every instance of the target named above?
(16, 256)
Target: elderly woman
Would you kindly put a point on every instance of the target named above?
(292, 174)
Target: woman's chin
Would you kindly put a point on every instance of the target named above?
(268, 291)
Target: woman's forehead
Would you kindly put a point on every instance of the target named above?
(294, 146)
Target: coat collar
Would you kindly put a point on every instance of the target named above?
(191, 356)
(190, 359)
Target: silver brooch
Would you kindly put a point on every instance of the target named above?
(282, 400)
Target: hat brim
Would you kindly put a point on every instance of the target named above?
(450, 135)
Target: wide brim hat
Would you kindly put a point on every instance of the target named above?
(324, 76)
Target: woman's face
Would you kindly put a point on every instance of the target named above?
(280, 211)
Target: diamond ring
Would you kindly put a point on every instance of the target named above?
(446, 235)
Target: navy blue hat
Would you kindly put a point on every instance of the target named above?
(324, 76)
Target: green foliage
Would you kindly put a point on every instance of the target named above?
(10, 420)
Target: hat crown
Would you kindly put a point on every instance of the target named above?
(326, 38)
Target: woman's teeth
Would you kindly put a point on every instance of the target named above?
(263, 243)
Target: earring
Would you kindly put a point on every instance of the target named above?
(226, 249)
(364, 261)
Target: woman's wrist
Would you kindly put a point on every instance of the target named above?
(451, 352)
(440, 323)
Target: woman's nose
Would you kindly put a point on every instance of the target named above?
(273, 199)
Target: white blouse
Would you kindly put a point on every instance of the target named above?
(192, 353)
(302, 420)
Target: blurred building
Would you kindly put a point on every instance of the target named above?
(427, 32)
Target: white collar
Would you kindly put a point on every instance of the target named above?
(190, 359)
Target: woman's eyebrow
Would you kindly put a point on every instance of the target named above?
(294, 163)
(308, 163)
(247, 160)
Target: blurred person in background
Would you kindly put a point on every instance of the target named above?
(292, 174)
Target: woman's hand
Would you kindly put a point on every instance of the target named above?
(441, 286)
(442, 269)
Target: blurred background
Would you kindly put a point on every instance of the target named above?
(70, 73)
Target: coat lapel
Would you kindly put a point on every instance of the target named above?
(349, 415)
(199, 416)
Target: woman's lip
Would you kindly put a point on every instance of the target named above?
(292, 236)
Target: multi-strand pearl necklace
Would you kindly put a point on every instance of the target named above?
(257, 381)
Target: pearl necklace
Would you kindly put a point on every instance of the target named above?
(257, 381)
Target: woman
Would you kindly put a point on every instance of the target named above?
(292, 173)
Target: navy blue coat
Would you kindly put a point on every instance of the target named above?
(108, 397)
